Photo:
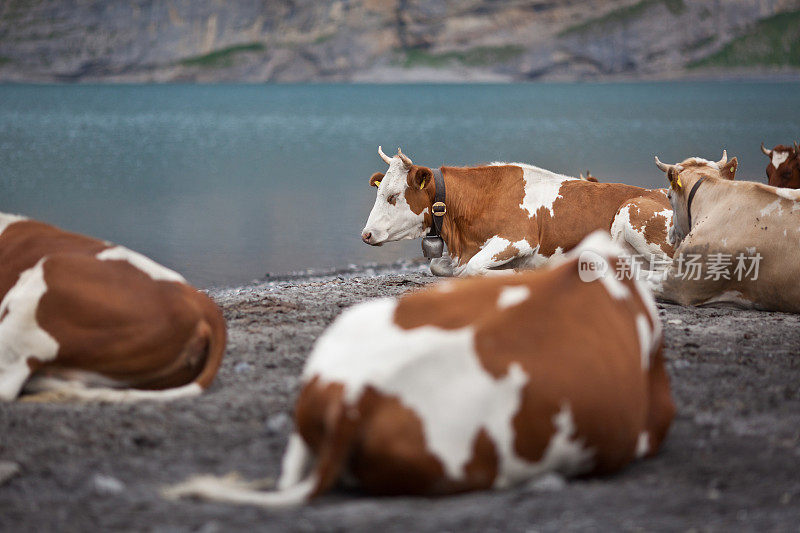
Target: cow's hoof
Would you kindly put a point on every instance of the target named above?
(441, 267)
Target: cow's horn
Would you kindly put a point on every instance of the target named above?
(724, 158)
(406, 161)
(767, 153)
(796, 147)
(384, 156)
(663, 166)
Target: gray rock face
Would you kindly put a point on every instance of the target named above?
(389, 40)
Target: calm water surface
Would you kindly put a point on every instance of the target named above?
(225, 183)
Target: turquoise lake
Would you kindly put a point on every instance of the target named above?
(227, 182)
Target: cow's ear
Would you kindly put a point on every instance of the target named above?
(728, 171)
(419, 177)
(674, 179)
(375, 179)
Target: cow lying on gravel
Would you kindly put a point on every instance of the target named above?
(511, 215)
(84, 319)
(477, 384)
(783, 169)
(739, 241)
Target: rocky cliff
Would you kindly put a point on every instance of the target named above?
(395, 40)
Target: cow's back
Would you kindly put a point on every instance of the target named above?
(25, 242)
(583, 207)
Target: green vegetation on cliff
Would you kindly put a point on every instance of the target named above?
(623, 15)
(223, 57)
(473, 57)
(774, 42)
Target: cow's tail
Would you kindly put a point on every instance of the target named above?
(295, 486)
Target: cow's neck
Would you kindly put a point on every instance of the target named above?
(470, 204)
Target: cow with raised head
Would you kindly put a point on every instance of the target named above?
(783, 169)
(85, 319)
(479, 383)
(738, 242)
(511, 215)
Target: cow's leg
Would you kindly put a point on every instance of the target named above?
(12, 378)
(21, 337)
(644, 225)
(442, 266)
(494, 253)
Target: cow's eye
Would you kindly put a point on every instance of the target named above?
(393, 198)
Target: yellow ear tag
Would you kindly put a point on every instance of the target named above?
(422, 185)
(377, 183)
(679, 182)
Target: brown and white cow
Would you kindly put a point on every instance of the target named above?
(512, 215)
(85, 319)
(739, 241)
(783, 169)
(477, 384)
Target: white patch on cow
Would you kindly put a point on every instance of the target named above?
(6, 220)
(485, 260)
(393, 222)
(724, 241)
(434, 372)
(65, 389)
(774, 206)
(511, 296)
(778, 158)
(645, 334)
(701, 161)
(145, 264)
(600, 243)
(643, 444)
(542, 189)
(21, 336)
(789, 194)
(784, 232)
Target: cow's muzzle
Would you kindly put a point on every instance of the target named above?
(368, 238)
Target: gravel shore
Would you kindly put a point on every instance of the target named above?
(730, 461)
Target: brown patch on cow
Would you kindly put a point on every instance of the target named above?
(479, 199)
(112, 319)
(584, 207)
(510, 252)
(24, 243)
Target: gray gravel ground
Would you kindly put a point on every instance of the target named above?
(731, 461)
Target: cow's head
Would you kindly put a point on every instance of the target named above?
(783, 169)
(405, 195)
(682, 177)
